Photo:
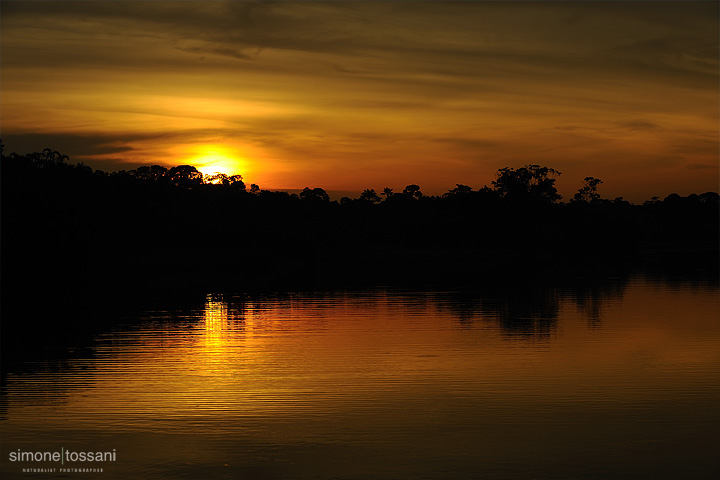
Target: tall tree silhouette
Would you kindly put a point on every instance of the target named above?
(588, 192)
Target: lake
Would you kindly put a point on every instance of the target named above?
(618, 378)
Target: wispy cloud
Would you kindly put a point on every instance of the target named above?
(449, 88)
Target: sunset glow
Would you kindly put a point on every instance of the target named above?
(383, 94)
(211, 160)
(350, 239)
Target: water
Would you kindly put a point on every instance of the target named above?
(613, 380)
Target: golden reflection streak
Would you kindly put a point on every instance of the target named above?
(215, 317)
(218, 331)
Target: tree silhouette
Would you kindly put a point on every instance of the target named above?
(459, 190)
(58, 218)
(48, 158)
(709, 198)
(412, 191)
(315, 194)
(185, 176)
(217, 179)
(236, 182)
(153, 173)
(588, 192)
(369, 195)
(528, 184)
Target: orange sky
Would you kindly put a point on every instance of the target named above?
(354, 95)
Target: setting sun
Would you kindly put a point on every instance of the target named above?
(213, 159)
(346, 239)
(346, 108)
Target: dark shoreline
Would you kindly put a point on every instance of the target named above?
(27, 294)
(76, 242)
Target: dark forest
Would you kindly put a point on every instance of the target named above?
(74, 239)
(67, 227)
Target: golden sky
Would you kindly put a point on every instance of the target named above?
(354, 95)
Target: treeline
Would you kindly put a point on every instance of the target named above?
(68, 226)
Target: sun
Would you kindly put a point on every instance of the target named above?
(213, 159)
(214, 169)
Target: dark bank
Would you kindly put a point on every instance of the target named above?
(73, 235)
(205, 330)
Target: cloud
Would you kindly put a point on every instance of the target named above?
(476, 144)
(210, 49)
(74, 145)
(702, 166)
(312, 86)
(640, 125)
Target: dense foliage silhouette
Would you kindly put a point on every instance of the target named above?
(67, 226)
(75, 240)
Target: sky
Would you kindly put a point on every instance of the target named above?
(354, 95)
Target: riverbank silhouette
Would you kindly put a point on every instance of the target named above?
(67, 228)
(74, 238)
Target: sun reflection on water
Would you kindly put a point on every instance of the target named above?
(273, 378)
(219, 324)
(215, 314)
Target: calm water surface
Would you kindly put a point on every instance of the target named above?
(618, 380)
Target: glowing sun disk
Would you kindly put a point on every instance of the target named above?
(214, 160)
